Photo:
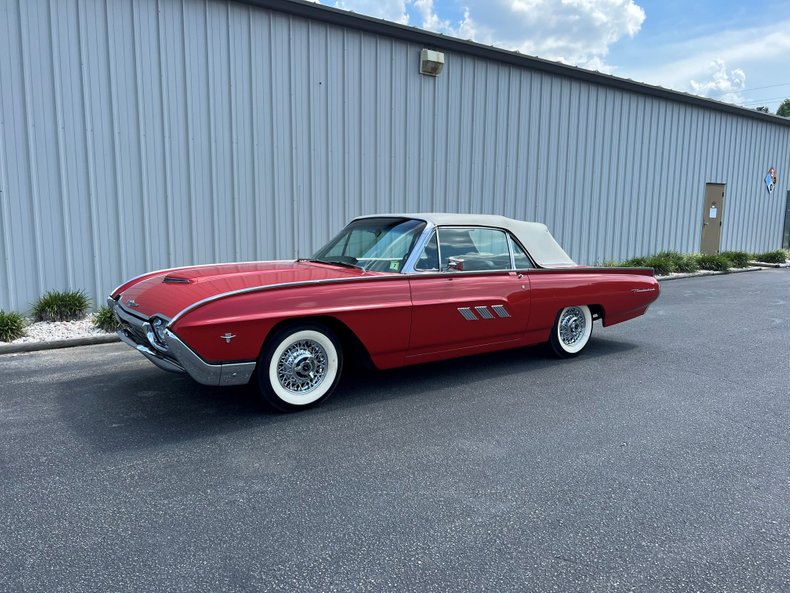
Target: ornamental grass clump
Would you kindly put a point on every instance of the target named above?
(716, 263)
(739, 259)
(12, 326)
(687, 264)
(68, 305)
(772, 257)
(662, 265)
(105, 320)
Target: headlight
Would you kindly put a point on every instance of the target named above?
(155, 331)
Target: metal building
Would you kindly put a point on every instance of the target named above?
(144, 134)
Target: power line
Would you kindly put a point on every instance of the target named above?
(765, 100)
(756, 88)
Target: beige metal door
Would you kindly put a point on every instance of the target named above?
(712, 213)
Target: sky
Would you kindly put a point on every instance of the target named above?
(726, 50)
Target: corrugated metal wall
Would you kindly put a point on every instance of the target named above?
(137, 135)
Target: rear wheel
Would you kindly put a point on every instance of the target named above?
(299, 367)
(572, 330)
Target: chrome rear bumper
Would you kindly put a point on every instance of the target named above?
(180, 358)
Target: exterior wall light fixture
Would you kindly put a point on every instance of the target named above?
(431, 62)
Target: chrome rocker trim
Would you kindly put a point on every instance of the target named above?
(184, 359)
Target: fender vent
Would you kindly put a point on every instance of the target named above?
(175, 280)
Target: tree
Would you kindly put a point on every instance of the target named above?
(762, 109)
(784, 108)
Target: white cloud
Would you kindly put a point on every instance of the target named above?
(430, 20)
(722, 84)
(577, 32)
(694, 65)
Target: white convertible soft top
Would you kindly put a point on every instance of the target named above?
(534, 236)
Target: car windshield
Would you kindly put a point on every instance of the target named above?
(376, 244)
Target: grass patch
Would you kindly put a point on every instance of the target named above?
(105, 320)
(68, 305)
(12, 326)
(772, 257)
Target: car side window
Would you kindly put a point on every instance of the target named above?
(429, 258)
(473, 249)
(520, 257)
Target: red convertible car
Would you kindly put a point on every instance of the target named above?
(392, 289)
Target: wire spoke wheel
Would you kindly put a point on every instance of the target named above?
(572, 331)
(302, 367)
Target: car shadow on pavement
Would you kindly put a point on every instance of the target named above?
(143, 407)
(421, 380)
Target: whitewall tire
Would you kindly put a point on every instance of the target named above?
(299, 367)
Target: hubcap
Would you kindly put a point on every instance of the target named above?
(302, 366)
(572, 326)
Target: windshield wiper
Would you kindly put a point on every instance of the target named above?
(333, 262)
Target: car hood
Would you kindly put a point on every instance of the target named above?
(170, 291)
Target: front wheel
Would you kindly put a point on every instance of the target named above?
(571, 331)
(299, 367)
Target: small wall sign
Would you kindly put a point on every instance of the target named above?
(770, 180)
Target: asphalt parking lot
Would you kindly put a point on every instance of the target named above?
(657, 461)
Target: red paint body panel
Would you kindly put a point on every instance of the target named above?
(438, 327)
(399, 318)
(377, 310)
(154, 296)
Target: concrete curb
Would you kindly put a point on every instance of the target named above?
(708, 273)
(34, 346)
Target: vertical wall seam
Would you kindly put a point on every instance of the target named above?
(68, 248)
(234, 138)
(5, 218)
(147, 264)
(111, 62)
(31, 155)
(166, 135)
(89, 153)
(212, 134)
(272, 144)
(190, 145)
(292, 148)
(256, 170)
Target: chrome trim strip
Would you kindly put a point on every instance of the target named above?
(184, 359)
(467, 314)
(500, 310)
(484, 312)
(208, 374)
(163, 363)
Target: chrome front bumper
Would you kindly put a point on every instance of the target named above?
(180, 358)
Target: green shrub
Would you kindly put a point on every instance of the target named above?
(716, 263)
(672, 259)
(687, 264)
(772, 257)
(12, 326)
(635, 262)
(105, 320)
(61, 306)
(739, 259)
(662, 265)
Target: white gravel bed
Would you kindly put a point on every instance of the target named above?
(46, 331)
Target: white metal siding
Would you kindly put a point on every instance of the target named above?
(146, 134)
